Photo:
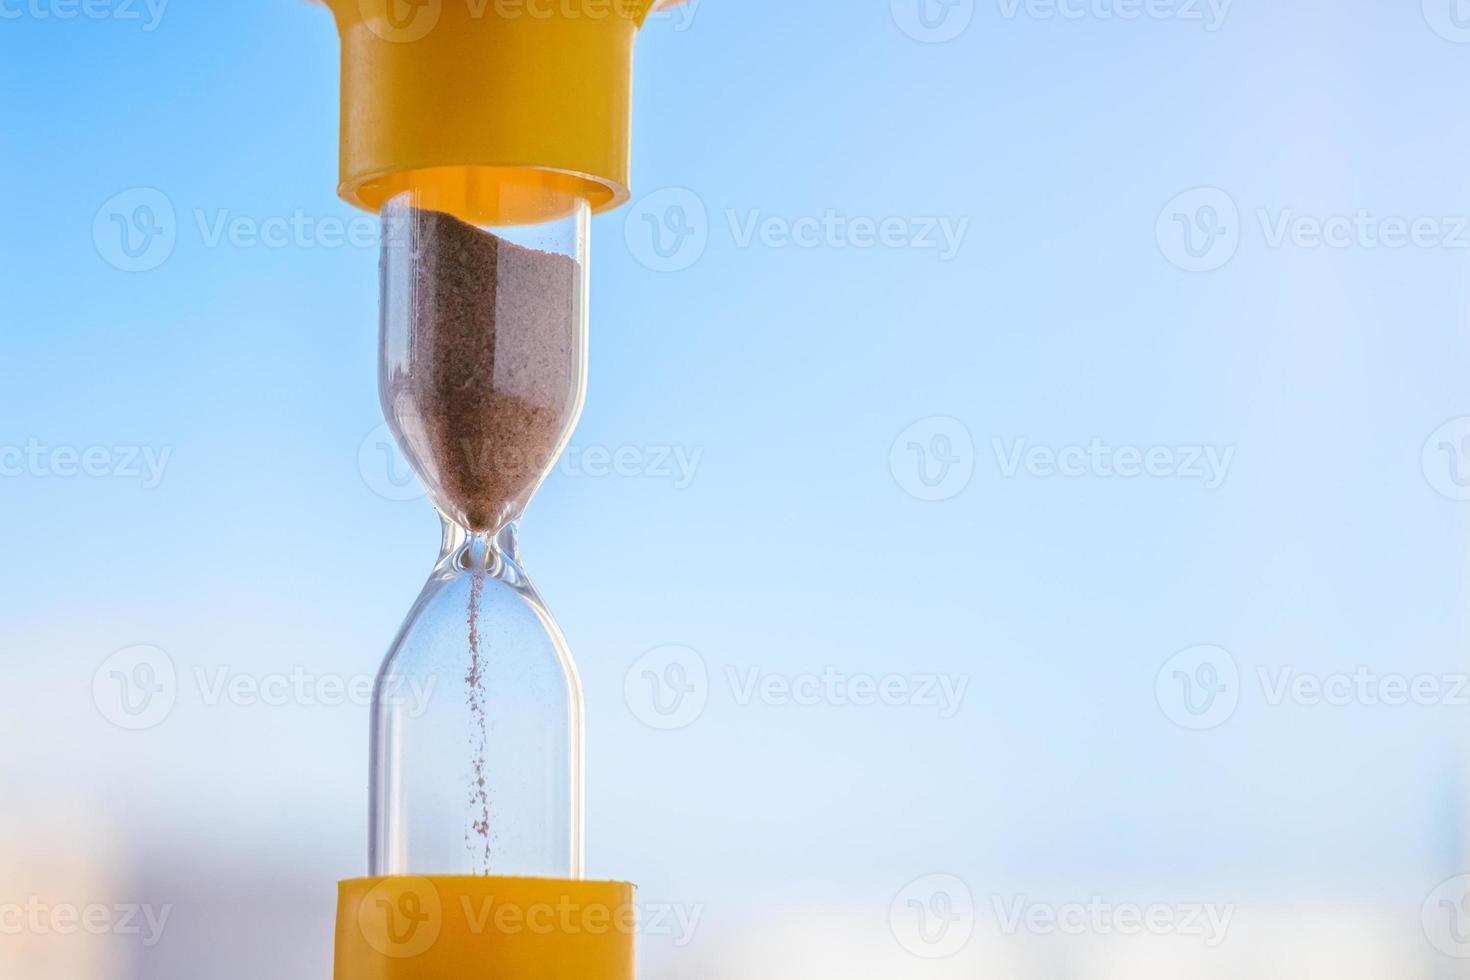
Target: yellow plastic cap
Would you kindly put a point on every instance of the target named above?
(448, 928)
(487, 109)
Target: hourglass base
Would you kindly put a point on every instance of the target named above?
(467, 928)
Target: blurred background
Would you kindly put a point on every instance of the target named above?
(1018, 527)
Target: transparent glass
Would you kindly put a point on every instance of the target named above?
(477, 716)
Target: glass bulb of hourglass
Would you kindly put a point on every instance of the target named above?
(483, 369)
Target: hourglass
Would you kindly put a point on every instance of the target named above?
(483, 364)
(486, 135)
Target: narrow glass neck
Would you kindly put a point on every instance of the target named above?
(465, 550)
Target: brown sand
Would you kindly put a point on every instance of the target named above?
(492, 365)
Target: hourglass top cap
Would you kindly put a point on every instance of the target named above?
(496, 111)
